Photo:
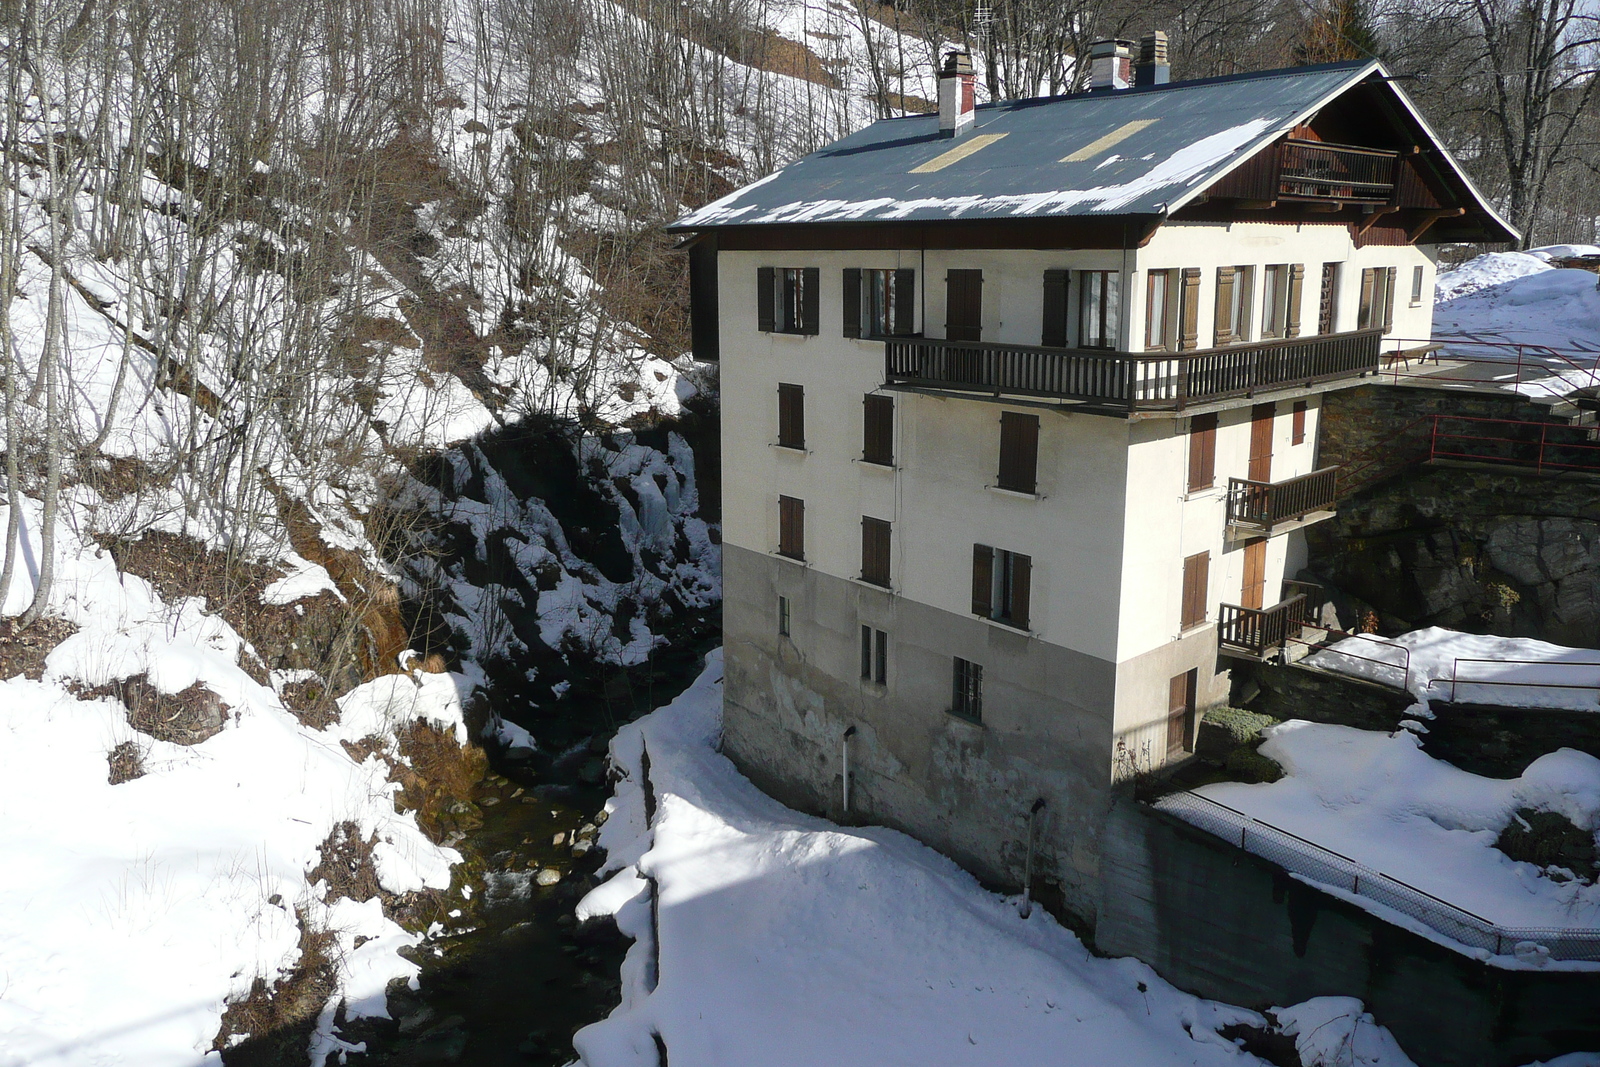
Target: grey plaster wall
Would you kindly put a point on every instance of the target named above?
(965, 789)
(1226, 925)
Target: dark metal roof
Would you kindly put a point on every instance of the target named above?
(1142, 151)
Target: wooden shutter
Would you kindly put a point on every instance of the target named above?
(1202, 451)
(1019, 451)
(905, 301)
(1369, 277)
(811, 301)
(852, 302)
(1255, 573)
(766, 298)
(1330, 296)
(791, 416)
(1223, 334)
(791, 527)
(877, 431)
(1388, 298)
(1196, 585)
(1181, 692)
(705, 323)
(1189, 310)
(1054, 332)
(1299, 427)
(874, 551)
(1297, 284)
(964, 305)
(1021, 589)
(1262, 418)
(982, 578)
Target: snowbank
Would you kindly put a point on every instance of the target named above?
(1519, 298)
(1384, 803)
(1439, 664)
(785, 939)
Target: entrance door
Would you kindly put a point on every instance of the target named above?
(1180, 714)
(963, 305)
(1261, 423)
(1255, 573)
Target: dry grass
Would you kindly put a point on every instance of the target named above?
(271, 1025)
(126, 763)
(183, 718)
(346, 865)
(22, 651)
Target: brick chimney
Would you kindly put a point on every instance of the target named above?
(1110, 65)
(1152, 67)
(956, 99)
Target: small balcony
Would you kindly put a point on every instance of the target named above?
(1260, 509)
(1120, 382)
(1316, 170)
(1260, 633)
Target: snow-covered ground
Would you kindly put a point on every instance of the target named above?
(785, 939)
(1381, 801)
(1439, 664)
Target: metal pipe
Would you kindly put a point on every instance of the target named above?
(1027, 866)
(845, 746)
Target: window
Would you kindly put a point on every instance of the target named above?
(1196, 585)
(1244, 288)
(1001, 582)
(1327, 307)
(875, 551)
(1232, 320)
(1053, 333)
(1099, 308)
(1274, 300)
(1159, 288)
(1377, 299)
(1202, 452)
(1416, 287)
(783, 616)
(963, 309)
(791, 416)
(787, 299)
(877, 431)
(874, 655)
(878, 303)
(1019, 452)
(791, 527)
(1298, 426)
(966, 690)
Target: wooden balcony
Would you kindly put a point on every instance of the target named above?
(1256, 509)
(1316, 170)
(1124, 381)
(1258, 633)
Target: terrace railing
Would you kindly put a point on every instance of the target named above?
(1168, 381)
(1315, 170)
(1263, 505)
(1254, 632)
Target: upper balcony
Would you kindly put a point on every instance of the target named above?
(1260, 509)
(1315, 170)
(1123, 381)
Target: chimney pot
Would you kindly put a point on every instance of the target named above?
(956, 95)
(1152, 68)
(1110, 65)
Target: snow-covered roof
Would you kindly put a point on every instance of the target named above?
(1140, 151)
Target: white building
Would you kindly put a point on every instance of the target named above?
(1020, 414)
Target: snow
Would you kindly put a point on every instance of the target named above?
(1471, 668)
(1381, 801)
(1518, 298)
(785, 939)
(304, 580)
(1335, 1032)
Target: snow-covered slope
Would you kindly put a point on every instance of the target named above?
(1519, 297)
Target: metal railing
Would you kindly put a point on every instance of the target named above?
(1129, 381)
(1542, 446)
(1325, 867)
(1257, 631)
(1320, 171)
(1534, 370)
(1262, 505)
(1318, 648)
(1456, 679)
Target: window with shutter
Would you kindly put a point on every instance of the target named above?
(877, 432)
(1365, 319)
(1158, 311)
(1181, 693)
(1196, 587)
(1019, 452)
(1244, 289)
(766, 299)
(905, 301)
(966, 690)
(785, 619)
(964, 305)
(791, 416)
(852, 302)
(1253, 588)
(1202, 451)
(982, 579)
(1054, 330)
(875, 551)
(1262, 424)
(1297, 284)
(811, 302)
(791, 527)
(1298, 434)
(1416, 287)
(1326, 310)
(874, 655)
(1099, 308)
(1222, 333)
(1002, 585)
(1189, 310)
(1274, 300)
(1388, 298)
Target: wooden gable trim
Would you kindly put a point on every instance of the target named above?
(1132, 231)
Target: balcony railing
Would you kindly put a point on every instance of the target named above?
(1318, 171)
(1255, 632)
(1263, 505)
(1159, 381)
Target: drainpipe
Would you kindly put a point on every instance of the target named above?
(845, 746)
(1027, 866)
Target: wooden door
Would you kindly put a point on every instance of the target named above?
(1180, 714)
(1261, 422)
(964, 305)
(1255, 573)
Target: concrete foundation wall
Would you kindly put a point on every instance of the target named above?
(963, 788)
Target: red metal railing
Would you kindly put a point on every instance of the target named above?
(1542, 446)
(1530, 369)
